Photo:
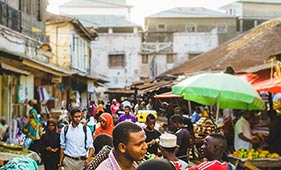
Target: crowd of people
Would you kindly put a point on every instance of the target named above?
(109, 137)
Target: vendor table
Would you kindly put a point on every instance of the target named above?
(256, 164)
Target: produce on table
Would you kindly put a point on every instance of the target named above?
(254, 154)
(204, 127)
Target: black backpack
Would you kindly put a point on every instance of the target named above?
(84, 130)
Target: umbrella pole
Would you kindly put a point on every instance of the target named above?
(217, 111)
(214, 123)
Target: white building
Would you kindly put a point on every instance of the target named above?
(116, 51)
(176, 35)
(100, 7)
(251, 13)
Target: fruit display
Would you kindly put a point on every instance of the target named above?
(204, 127)
(255, 154)
(12, 148)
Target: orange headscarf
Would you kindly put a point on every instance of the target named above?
(109, 125)
(100, 109)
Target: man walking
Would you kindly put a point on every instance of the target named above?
(75, 142)
(129, 146)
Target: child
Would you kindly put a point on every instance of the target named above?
(152, 135)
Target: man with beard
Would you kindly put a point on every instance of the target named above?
(75, 142)
(213, 150)
(129, 146)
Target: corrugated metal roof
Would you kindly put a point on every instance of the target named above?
(105, 21)
(187, 12)
(249, 49)
(95, 3)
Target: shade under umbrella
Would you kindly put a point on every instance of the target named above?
(224, 90)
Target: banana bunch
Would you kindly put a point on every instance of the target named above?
(254, 154)
(273, 155)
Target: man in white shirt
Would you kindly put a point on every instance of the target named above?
(243, 137)
(76, 144)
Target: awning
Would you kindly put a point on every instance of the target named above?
(270, 85)
(46, 68)
(119, 91)
(166, 95)
(97, 79)
(13, 69)
(156, 86)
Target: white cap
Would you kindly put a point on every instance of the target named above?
(168, 140)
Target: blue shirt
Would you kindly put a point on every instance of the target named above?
(194, 117)
(74, 143)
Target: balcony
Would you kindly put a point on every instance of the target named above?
(9, 17)
(157, 47)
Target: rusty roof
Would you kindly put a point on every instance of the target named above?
(249, 49)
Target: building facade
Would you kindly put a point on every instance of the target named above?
(174, 36)
(251, 13)
(24, 56)
(116, 50)
(70, 43)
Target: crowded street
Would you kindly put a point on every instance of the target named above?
(140, 85)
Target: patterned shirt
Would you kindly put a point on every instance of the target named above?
(111, 163)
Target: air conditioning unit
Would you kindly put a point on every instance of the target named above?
(56, 79)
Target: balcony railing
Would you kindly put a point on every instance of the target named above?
(9, 17)
(157, 47)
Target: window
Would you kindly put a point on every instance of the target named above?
(144, 59)
(116, 60)
(39, 14)
(170, 58)
(161, 27)
(27, 6)
(190, 28)
(221, 28)
(192, 55)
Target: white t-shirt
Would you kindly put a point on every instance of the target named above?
(242, 126)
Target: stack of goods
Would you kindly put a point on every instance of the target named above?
(255, 154)
(204, 127)
(12, 148)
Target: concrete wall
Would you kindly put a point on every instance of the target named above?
(60, 40)
(261, 11)
(69, 48)
(184, 44)
(179, 24)
(107, 44)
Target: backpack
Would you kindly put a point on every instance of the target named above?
(84, 130)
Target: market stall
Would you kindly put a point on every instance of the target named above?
(255, 159)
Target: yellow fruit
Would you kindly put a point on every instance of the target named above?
(262, 155)
(250, 157)
(274, 155)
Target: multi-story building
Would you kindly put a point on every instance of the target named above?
(179, 34)
(115, 53)
(26, 72)
(70, 43)
(251, 13)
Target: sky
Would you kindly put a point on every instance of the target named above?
(143, 8)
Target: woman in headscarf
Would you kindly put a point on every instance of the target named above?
(33, 129)
(50, 144)
(106, 125)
